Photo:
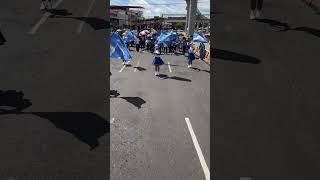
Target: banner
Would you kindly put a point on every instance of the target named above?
(198, 37)
(117, 48)
(167, 38)
(128, 37)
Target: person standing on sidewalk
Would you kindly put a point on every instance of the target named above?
(256, 6)
(137, 42)
(2, 39)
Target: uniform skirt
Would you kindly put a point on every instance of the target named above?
(157, 61)
(191, 56)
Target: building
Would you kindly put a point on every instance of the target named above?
(124, 16)
(170, 22)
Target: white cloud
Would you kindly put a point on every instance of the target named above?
(152, 7)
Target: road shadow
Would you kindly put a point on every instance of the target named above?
(114, 93)
(2, 39)
(232, 56)
(12, 101)
(164, 76)
(86, 126)
(141, 68)
(95, 22)
(275, 24)
(136, 101)
(197, 69)
(58, 12)
(283, 27)
(312, 31)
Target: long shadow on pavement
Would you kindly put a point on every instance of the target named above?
(88, 127)
(141, 68)
(59, 12)
(232, 56)
(164, 76)
(283, 27)
(136, 101)
(95, 22)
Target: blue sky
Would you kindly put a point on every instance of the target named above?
(153, 7)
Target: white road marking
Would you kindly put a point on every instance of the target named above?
(122, 68)
(198, 149)
(169, 66)
(80, 27)
(135, 68)
(43, 19)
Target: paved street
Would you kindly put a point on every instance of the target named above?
(266, 92)
(58, 60)
(150, 137)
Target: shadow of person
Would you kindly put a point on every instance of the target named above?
(2, 39)
(58, 12)
(12, 101)
(180, 79)
(232, 56)
(163, 76)
(197, 69)
(136, 101)
(275, 24)
(94, 22)
(141, 69)
(85, 126)
(312, 31)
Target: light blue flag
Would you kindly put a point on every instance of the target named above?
(198, 37)
(117, 48)
(129, 37)
(167, 38)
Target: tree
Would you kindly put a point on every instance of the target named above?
(179, 25)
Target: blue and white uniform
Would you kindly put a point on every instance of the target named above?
(157, 59)
(191, 55)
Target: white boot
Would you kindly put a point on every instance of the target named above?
(258, 14)
(252, 16)
(42, 6)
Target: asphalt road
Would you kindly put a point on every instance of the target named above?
(266, 92)
(60, 66)
(150, 138)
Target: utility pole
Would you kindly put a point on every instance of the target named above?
(187, 17)
(192, 11)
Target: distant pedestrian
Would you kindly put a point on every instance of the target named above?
(157, 62)
(184, 46)
(202, 48)
(137, 42)
(191, 56)
(2, 39)
(142, 43)
(256, 6)
(165, 48)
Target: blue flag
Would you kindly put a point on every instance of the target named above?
(167, 38)
(198, 37)
(129, 37)
(117, 48)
